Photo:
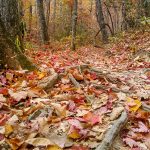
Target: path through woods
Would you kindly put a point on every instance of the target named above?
(79, 100)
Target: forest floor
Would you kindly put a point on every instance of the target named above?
(79, 100)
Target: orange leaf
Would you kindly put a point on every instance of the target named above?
(74, 134)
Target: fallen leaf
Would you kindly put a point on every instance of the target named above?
(41, 75)
(130, 142)
(134, 105)
(18, 95)
(74, 134)
(3, 119)
(2, 98)
(79, 148)
(142, 128)
(4, 91)
(9, 76)
(39, 142)
(60, 110)
(14, 143)
(54, 147)
(77, 75)
(8, 129)
(91, 118)
(76, 123)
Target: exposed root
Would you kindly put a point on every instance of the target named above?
(112, 132)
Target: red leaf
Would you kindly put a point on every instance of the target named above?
(79, 100)
(79, 148)
(4, 91)
(3, 119)
(92, 118)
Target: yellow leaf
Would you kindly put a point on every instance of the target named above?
(8, 129)
(9, 76)
(74, 135)
(136, 104)
(41, 75)
(54, 147)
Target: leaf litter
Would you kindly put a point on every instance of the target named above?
(66, 116)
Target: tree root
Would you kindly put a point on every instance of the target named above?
(145, 107)
(105, 74)
(113, 132)
(112, 88)
(48, 82)
(73, 80)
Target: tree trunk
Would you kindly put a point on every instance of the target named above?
(30, 17)
(10, 13)
(146, 5)
(48, 2)
(54, 16)
(60, 8)
(116, 27)
(112, 23)
(74, 24)
(91, 6)
(42, 22)
(101, 21)
(124, 15)
(10, 56)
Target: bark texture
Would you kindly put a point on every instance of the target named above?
(48, 3)
(124, 15)
(101, 21)
(74, 24)
(42, 21)
(10, 55)
(30, 17)
(10, 13)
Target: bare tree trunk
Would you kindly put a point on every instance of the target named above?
(112, 23)
(124, 15)
(101, 21)
(146, 6)
(60, 8)
(48, 13)
(91, 6)
(42, 22)
(54, 16)
(30, 17)
(74, 24)
(116, 16)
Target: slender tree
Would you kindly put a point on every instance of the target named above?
(54, 16)
(91, 6)
(74, 24)
(48, 2)
(42, 21)
(124, 15)
(30, 16)
(101, 21)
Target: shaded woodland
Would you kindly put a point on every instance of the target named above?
(74, 74)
